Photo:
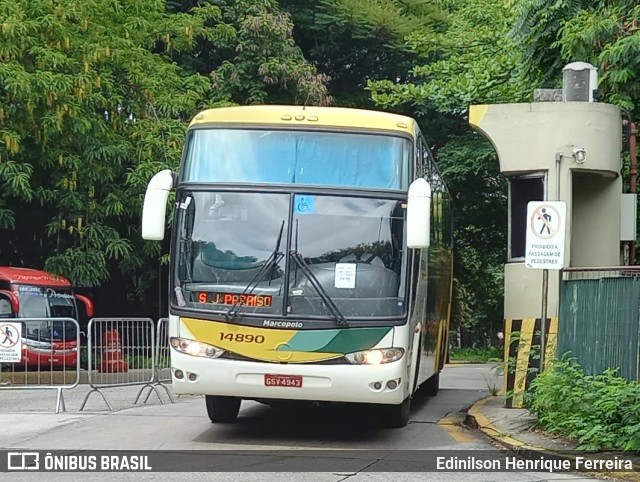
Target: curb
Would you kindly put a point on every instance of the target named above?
(476, 419)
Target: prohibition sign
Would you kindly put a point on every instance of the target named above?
(8, 337)
(550, 218)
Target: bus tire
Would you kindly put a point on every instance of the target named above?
(432, 385)
(222, 409)
(397, 416)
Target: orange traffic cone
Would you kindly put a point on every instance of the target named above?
(112, 361)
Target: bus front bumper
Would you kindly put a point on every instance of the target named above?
(379, 384)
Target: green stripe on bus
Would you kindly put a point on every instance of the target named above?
(355, 339)
(314, 340)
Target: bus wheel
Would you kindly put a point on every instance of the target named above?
(432, 385)
(222, 409)
(397, 416)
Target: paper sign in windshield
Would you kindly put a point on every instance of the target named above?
(345, 275)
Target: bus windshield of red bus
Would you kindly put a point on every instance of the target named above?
(44, 302)
(50, 330)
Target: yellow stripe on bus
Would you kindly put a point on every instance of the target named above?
(262, 344)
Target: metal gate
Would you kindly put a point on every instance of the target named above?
(48, 351)
(122, 352)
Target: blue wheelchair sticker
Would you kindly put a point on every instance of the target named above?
(304, 204)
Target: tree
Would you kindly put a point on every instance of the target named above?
(606, 34)
(93, 103)
(251, 55)
(84, 100)
(471, 61)
(353, 42)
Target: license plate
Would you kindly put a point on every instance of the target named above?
(294, 381)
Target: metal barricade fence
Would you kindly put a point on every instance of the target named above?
(162, 367)
(121, 353)
(40, 354)
(163, 355)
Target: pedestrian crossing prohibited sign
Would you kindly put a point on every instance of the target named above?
(10, 342)
(545, 234)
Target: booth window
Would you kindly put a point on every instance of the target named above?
(522, 190)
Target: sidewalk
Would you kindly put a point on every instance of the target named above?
(514, 429)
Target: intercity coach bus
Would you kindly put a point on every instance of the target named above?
(311, 259)
(40, 297)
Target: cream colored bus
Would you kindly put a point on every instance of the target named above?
(311, 259)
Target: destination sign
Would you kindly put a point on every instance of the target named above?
(233, 298)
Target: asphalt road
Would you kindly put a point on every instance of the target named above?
(361, 450)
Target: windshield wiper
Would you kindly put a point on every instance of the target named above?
(304, 267)
(269, 265)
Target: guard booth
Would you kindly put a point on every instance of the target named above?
(562, 147)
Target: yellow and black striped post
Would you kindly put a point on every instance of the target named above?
(521, 355)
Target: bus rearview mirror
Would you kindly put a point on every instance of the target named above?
(419, 214)
(10, 302)
(155, 205)
(88, 304)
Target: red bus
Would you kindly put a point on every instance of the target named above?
(31, 293)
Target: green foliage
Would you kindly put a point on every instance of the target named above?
(95, 97)
(535, 32)
(138, 362)
(470, 59)
(476, 355)
(250, 54)
(599, 411)
(468, 164)
(353, 42)
(145, 362)
(606, 34)
(84, 101)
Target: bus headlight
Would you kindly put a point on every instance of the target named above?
(375, 357)
(195, 348)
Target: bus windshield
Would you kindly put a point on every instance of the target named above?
(232, 250)
(41, 302)
(50, 331)
(297, 157)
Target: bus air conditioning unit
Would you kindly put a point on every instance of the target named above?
(580, 82)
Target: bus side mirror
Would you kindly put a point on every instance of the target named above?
(9, 304)
(419, 214)
(155, 205)
(88, 304)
